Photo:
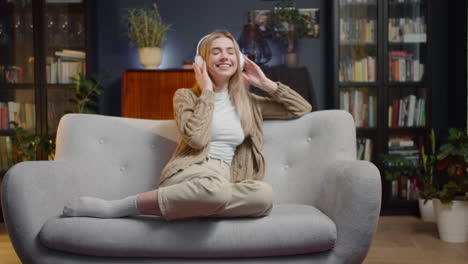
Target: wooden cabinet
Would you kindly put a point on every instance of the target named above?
(148, 94)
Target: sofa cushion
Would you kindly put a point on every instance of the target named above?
(289, 229)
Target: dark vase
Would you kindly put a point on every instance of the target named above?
(253, 45)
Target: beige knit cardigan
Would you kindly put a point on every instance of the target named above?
(193, 116)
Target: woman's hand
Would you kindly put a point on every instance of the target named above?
(202, 77)
(254, 76)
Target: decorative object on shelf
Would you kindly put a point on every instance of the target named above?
(260, 18)
(148, 32)
(451, 203)
(289, 25)
(253, 45)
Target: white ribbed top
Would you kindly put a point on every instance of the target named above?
(226, 130)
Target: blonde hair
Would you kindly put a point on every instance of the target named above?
(237, 87)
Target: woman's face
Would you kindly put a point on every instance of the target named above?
(222, 60)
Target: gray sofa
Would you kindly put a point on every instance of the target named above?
(326, 207)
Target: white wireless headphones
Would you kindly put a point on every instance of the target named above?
(199, 59)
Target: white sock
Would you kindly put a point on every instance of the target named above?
(96, 207)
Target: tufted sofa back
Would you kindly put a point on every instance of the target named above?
(123, 156)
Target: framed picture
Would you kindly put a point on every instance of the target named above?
(260, 18)
(314, 18)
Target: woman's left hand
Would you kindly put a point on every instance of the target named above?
(254, 76)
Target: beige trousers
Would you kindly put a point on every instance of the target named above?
(205, 189)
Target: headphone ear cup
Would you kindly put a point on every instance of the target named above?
(199, 61)
(241, 61)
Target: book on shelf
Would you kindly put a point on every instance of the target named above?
(404, 189)
(364, 149)
(343, 2)
(6, 157)
(408, 188)
(361, 105)
(65, 65)
(405, 147)
(71, 54)
(408, 111)
(357, 30)
(24, 114)
(407, 30)
(403, 67)
(357, 70)
(394, 189)
(4, 118)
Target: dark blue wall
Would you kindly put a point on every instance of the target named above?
(190, 20)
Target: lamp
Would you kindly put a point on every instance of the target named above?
(253, 45)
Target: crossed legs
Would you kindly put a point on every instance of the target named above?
(200, 190)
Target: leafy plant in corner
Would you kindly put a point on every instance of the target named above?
(27, 145)
(452, 158)
(87, 89)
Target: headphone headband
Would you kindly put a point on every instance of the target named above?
(199, 43)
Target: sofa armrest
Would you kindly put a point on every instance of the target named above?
(32, 192)
(351, 197)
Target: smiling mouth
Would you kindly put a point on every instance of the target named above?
(223, 65)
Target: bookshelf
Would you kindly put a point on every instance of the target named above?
(42, 45)
(380, 65)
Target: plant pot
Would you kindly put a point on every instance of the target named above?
(291, 60)
(452, 221)
(427, 210)
(150, 57)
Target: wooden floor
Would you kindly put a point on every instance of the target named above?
(399, 240)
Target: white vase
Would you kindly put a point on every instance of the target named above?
(150, 57)
(291, 60)
(452, 221)
(426, 210)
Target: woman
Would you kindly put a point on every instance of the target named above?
(218, 166)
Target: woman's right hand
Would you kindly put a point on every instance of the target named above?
(202, 77)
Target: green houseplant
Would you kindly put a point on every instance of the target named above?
(87, 89)
(451, 207)
(427, 180)
(25, 146)
(453, 159)
(147, 30)
(427, 174)
(288, 25)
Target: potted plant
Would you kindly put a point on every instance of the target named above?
(451, 207)
(148, 32)
(87, 89)
(427, 189)
(288, 25)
